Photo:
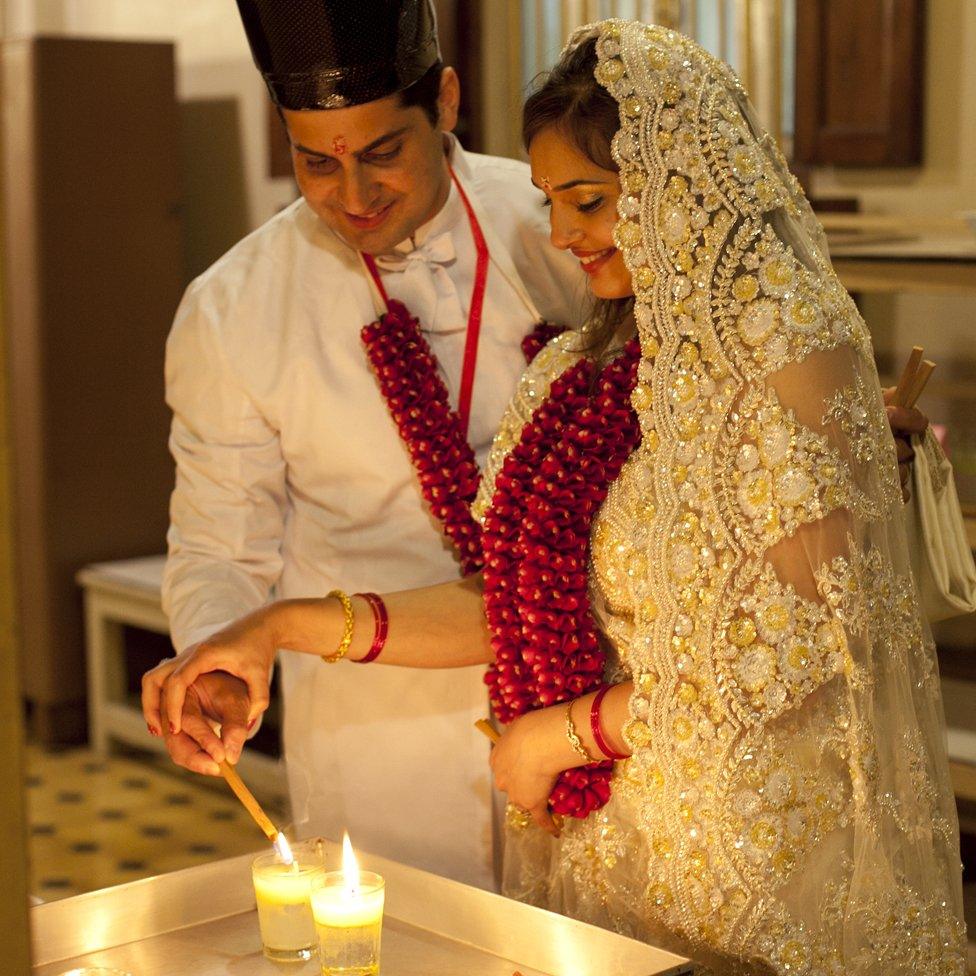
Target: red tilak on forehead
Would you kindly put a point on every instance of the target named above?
(546, 185)
(339, 145)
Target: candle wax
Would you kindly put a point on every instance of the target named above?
(282, 895)
(349, 924)
(335, 906)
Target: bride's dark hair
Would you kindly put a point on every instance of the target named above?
(570, 99)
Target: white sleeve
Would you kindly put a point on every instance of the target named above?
(227, 508)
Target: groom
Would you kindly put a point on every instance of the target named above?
(291, 477)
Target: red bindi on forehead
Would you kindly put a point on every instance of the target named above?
(340, 146)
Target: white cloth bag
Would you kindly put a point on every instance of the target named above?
(942, 560)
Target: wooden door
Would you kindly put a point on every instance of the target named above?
(859, 75)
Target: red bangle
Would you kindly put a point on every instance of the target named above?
(382, 622)
(601, 743)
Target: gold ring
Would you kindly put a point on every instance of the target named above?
(517, 817)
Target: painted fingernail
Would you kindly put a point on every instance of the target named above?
(172, 728)
(152, 730)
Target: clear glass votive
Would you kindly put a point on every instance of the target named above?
(349, 923)
(282, 893)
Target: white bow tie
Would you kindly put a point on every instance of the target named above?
(438, 249)
(425, 274)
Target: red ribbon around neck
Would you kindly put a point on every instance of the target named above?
(474, 313)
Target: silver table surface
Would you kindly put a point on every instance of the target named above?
(203, 921)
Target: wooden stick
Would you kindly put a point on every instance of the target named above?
(921, 378)
(907, 377)
(247, 799)
(484, 726)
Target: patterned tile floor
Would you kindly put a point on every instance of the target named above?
(96, 822)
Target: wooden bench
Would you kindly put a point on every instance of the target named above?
(128, 593)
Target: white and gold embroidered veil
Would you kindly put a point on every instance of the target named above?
(787, 806)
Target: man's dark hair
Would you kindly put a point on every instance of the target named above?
(424, 93)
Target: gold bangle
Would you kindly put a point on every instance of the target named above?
(349, 620)
(574, 740)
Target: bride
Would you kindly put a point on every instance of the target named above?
(723, 730)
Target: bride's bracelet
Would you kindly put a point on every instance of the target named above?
(574, 740)
(348, 622)
(601, 742)
(381, 624)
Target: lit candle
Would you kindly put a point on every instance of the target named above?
(283, 882)
(348, 909)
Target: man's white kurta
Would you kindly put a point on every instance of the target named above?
(292, 480)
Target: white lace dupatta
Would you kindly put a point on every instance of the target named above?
(787, 807)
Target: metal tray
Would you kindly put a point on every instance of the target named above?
(203, 921)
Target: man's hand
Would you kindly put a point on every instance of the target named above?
(904, 421)
(244, 649)
(214, 699)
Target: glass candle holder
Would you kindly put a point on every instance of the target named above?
(282, 893)
(349, 923)
(95, 971)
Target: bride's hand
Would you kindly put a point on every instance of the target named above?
(904, 422)
(245, 649)
(525, 768)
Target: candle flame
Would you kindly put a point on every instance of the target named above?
(350, 867)
(283, 849)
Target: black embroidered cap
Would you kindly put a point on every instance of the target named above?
(317, 54)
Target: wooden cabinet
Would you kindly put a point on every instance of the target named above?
(92, 273)
(859, 74)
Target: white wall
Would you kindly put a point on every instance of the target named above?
(212, 58)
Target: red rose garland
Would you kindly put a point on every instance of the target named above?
(431, 429)
(532, 344)
(536, 542)
(418, 402)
